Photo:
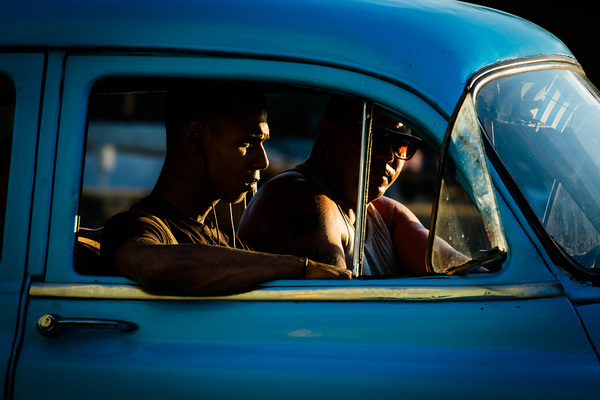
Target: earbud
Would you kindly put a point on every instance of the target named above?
(199, 144)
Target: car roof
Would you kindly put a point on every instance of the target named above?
(432, 46)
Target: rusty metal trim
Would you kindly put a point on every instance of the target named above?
(413, 293)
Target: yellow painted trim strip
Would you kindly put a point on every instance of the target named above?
(347, 293)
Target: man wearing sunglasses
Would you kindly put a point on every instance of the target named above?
(311, 209)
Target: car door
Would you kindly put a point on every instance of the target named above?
(21, 85)
(92, 336)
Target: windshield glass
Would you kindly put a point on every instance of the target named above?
(545, 126)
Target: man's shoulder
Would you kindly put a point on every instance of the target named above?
(133, 223)
(291, 191)
(293, 184)
(384, 202)
(289, 178)
(284, 198)
(393, 210)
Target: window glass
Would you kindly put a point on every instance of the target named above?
(467, 214)
(7, 111)
(125, 150)
(544, 126)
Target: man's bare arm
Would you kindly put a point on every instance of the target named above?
(408, 235)
(294, 218)
(210, 270)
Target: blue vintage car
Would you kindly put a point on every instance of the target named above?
(509, 175)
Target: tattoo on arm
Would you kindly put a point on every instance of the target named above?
(303, 223)
(326, 258)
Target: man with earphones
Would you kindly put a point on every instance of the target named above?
(166, 242)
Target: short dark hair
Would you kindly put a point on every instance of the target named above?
(207, 100)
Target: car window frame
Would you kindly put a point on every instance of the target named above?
(464, 131)
(25, 70)
(83, 70)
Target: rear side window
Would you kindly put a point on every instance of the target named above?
(7, 112)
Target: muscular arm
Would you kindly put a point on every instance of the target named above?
(410, 237)
(209, 270)
(291, 216)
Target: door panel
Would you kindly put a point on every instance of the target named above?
(294, 349)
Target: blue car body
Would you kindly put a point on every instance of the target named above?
(528, 329)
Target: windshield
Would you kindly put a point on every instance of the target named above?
(545, 126)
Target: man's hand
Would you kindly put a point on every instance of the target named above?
(317, 270)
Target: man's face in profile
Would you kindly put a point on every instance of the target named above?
(235, 154)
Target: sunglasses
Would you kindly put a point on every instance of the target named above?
(403, 145)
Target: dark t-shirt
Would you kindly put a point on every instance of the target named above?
(140, 222)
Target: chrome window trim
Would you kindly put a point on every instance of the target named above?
(363, 189)
(432, 293)
(482, 77)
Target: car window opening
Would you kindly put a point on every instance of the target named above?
(125, 151)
